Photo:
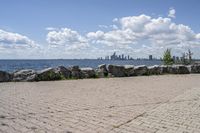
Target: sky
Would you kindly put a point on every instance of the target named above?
(69, 29)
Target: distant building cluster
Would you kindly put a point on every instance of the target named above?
(120, 57)
(114, 56)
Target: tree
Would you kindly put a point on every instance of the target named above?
(167, 58)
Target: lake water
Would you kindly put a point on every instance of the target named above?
(13, 65)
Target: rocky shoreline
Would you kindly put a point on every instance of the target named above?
(74, 72)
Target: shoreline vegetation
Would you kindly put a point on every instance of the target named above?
(103, 71)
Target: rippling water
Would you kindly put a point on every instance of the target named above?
(12, 65)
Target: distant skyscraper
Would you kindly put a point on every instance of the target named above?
(174, 58)
(150, 57)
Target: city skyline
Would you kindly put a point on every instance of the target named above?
(76, 29)
(115, 56)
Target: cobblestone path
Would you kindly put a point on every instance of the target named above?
(152, 104)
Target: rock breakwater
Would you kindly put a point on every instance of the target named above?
(74, 72)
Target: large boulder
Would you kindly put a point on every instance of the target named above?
(164, 69)
(102, 71)
(154, 70)
(63, 71)
(76, 72)
(4, 76)
(129, 70)
(178, 69)
(195, 68)
(48, 74)
(183, 69)
(88, 72)
(141, 70)
(116, 70)
(24, 75)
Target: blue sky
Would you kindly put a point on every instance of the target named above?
(60, 28)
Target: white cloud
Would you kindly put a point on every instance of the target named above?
(198, 36)
(172, 13)
(112, 38)
(67, 38)
(15, 45)
(95, 35)
(50, 28)
(135, 23)
(15, 40)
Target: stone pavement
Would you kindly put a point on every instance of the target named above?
(159, 104)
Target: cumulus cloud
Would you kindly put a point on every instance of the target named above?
(15, 45)
(67, 38)
(172, 13)
(134, 23)
(15, 40)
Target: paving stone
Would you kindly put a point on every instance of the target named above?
(102, 105)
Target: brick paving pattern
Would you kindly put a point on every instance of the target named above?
(153, 104)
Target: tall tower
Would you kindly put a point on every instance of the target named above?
(150, 57)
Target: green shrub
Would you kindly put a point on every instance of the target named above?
(48, 76)
(167, 58)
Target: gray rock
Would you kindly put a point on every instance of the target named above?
(154, 70)
(88, 72)
(4, 76)
(76, 72)
(102, 66)
(141, 70)
(116, 70)
(102, 71)
(183, 69)
(64, 72)
(48, 74)
(164, 69)
(129, 70)
(24, 75)
(178, 69)
(195, 68)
